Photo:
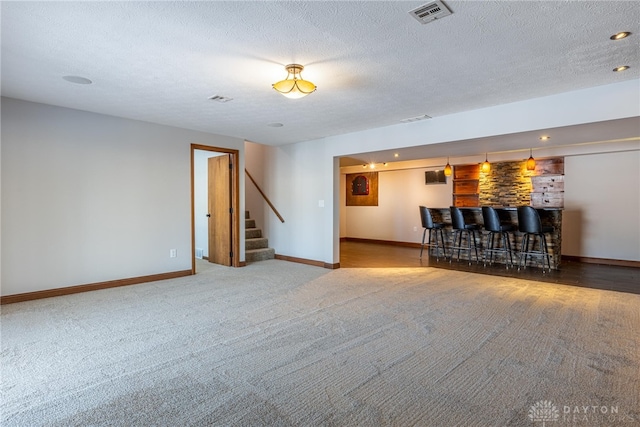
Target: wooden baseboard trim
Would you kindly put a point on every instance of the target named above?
(28, 296)
(308, 262)
(605, 261)
(381, 242)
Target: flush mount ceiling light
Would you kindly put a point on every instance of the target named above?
(294, 86)
(620, 36)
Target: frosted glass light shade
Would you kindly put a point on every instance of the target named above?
(294, 86)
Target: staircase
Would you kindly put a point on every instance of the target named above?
(256, 246)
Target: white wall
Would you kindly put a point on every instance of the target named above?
(88, 198)
(602, 206)
(298, 175)
(396, 218)
(608, 102)
(298, 178)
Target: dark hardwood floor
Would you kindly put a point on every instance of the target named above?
(596, 276)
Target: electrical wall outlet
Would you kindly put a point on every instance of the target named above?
(173, 253)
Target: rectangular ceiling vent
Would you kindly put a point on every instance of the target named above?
(415, 119)
(219, 98)
(430, 12)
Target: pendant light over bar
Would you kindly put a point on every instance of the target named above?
(531, 162)
(448, 171)
(486, 166)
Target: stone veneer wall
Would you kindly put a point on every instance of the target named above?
(507, 184)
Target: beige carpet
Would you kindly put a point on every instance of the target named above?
(283, 344)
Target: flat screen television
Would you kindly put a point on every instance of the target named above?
(435, 177)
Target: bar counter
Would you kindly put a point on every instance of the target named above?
(509, 215)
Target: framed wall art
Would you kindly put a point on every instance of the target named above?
(362, 189)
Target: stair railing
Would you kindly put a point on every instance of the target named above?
(264, 196)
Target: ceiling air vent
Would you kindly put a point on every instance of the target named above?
(415, 119)
(430, 12)
(219, 98)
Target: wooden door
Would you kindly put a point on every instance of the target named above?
(220, 210)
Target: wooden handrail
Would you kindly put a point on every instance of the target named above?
(264, 196)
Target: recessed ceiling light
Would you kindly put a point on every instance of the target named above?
(622, 68)
(396, 155)
(77, 80)
(545, 138)
(620, 36)
(275, 125)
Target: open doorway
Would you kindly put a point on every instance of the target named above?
(215, 225)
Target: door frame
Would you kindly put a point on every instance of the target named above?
(235, 203)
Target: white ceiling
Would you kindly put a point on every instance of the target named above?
(374, 64)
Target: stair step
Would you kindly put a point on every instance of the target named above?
(252, 233)
(252, 255)
(256, 246)
(258, 243)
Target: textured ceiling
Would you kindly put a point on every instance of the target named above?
(374, 64)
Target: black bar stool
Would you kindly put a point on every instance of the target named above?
(428, 224)
(494, 226)
(460, 229)
(529, 223)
